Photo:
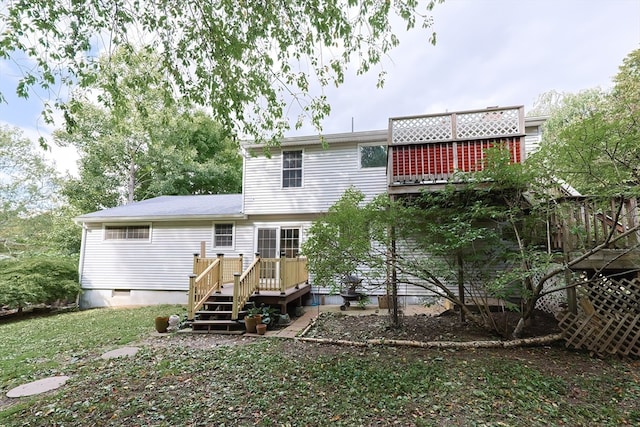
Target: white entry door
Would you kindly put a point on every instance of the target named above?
(267, 247)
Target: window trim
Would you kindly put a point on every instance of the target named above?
(233, 235)
(125, 226)
(298, 238)
(372, 144)
(301, 168)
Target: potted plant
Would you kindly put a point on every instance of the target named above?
(252, 318)
(269, 316)
(261, 328)
(162, 323)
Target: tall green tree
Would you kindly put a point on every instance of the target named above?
(591, 139)
(249, 61)
(141, 146)
(28, 188)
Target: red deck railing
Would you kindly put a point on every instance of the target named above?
(431, 148)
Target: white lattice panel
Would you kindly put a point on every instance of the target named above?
(553, 302)
(608, 321)
(431, 128)
(488, 123)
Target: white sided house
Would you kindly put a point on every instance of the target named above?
(143, 253)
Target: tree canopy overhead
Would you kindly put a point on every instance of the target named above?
(591, 139)
(252, 62)
(138, 147)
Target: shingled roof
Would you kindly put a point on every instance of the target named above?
(165, 208)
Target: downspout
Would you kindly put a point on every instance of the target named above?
(83, 245)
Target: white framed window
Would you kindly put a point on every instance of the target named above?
(372, 156)
(223, 235)
(292, 169)
(127, 232)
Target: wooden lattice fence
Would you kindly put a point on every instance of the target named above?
(608, 318)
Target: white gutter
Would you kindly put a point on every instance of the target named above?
(83, 246)
(96, 219)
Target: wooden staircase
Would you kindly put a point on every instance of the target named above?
(215, 316)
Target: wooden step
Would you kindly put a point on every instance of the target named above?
(217, 326)
(217, 322)
(218, 332)
(219, 312)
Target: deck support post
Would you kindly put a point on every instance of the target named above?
(257, 291)
(192, 290)
(220, 272)
(283, 273)
(203, 249)
(461, 285)
(236, 296)
(196, 255)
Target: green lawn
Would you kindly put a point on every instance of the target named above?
(279, 382)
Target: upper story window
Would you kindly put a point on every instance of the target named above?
(292, 168)
(129, 232)
(373, 156)
(223, 236)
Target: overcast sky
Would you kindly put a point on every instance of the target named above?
(493, 52)
(488, 53)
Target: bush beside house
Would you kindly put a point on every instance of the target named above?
(37, 280)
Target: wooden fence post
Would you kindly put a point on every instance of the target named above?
(203, 249)
(195, 262)
(192, 296)
(259, 266)
(283, 273)
(220, 272)
(236, 296)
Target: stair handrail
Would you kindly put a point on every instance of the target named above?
(244, 286)
(598, 226)
(203, 285)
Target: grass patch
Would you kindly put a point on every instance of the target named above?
(283, 382)
(37, 347)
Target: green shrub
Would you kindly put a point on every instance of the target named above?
(37, 280)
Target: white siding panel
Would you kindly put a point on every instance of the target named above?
(163, 263)
(327, 173)
(531, 143)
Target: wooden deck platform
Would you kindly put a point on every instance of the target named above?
(275, 298)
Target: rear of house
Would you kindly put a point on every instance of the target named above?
(142, 253)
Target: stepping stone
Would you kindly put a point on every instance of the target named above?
(120, 352)
(37, 387)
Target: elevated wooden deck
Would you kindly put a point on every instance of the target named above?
(425, 152)
(272, 297)
(219, 295)
(596, 234)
